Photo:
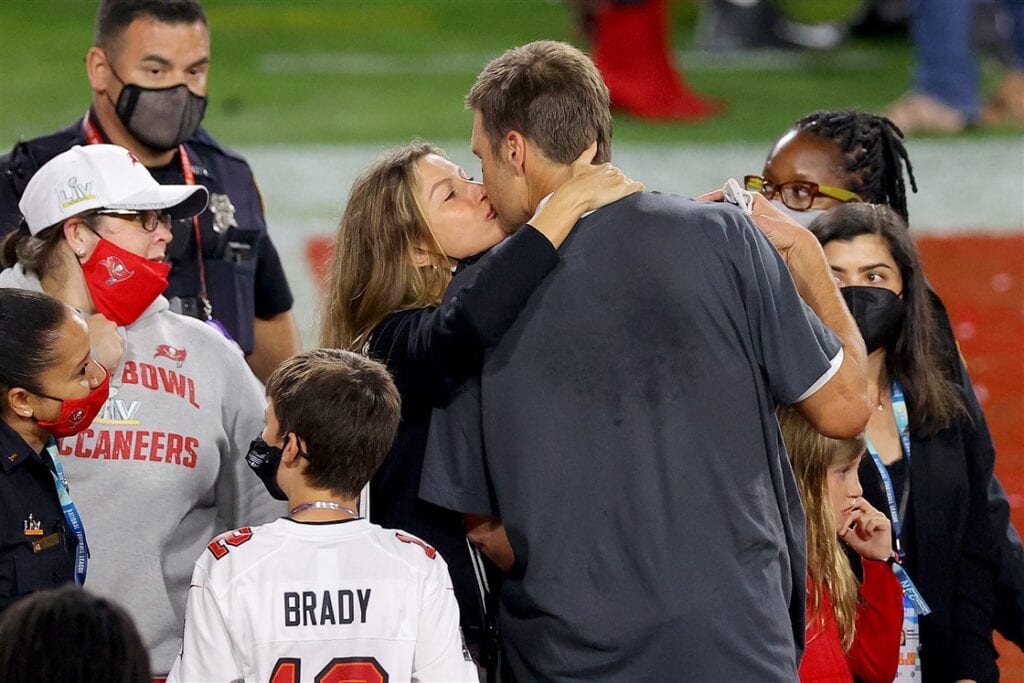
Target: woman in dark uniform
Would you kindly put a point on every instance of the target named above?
(51, 387)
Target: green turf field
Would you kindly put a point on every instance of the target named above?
(342, 71)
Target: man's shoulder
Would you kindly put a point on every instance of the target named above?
(206, 146)
(653, 207)
(674, 222)
(230, 552)
(418, 555)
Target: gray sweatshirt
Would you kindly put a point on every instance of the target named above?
(162, 469)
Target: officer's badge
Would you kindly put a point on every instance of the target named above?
(223, 212)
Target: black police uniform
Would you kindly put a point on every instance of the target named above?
(36, 549)
(244, 276)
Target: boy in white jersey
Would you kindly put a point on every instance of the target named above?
(322, 595)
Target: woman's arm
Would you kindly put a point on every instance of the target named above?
(428, 349)
(589, 188)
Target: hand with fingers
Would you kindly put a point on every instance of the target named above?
(589, 187)
(107, 344)
(597, 185)
(783, 232)
(866, 530)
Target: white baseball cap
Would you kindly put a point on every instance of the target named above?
(101, 177)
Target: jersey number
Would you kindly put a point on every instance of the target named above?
(338, 670)
(219, 545)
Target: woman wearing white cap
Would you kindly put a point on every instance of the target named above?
(161, 469)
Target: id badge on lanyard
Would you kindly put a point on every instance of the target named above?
(71, 515)
(914, 604)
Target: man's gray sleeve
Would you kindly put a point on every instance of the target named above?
(454, 469)
(793, 347)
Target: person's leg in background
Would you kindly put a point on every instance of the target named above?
(943, 97)
(1007, 104)
(630, 46)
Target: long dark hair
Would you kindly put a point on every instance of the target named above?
(915, 360)
(873, 154)
(30, 325)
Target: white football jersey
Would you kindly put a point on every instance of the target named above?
(293, 602)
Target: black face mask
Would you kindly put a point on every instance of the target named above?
(160, 118)
(264, 460)
(879, 313)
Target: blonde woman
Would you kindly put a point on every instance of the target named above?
(412, 218)
(851, 629)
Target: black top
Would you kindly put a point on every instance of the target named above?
(899, 475)
(244, 274)
(953, 553)
(626, 424)
(36, 549)
(427, 350)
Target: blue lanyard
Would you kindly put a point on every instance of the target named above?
(899, 411)
(74, 520)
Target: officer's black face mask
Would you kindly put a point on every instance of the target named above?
(879, 314)
(160, 118)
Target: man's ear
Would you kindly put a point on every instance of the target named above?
(97, 69)
(513, 151)
(293, 445)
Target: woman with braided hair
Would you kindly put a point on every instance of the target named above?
(832, 157)
(829, 158)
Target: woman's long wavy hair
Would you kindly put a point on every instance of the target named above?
(828, 568)
(372, 274)
(915, 360)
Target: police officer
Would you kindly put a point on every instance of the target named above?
(148, 71)
(51, 387)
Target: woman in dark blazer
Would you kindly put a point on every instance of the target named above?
(930, 461)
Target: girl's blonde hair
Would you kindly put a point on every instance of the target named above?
(828, 568)
(373, 274)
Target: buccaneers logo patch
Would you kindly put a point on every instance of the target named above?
(168, 351)
(116, 270)
(76, 417)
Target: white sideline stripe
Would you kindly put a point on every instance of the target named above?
(967, 187)
(375, 64)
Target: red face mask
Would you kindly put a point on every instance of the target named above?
(77, 413)
(122, 284)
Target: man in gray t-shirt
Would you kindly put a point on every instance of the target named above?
(623, 428)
